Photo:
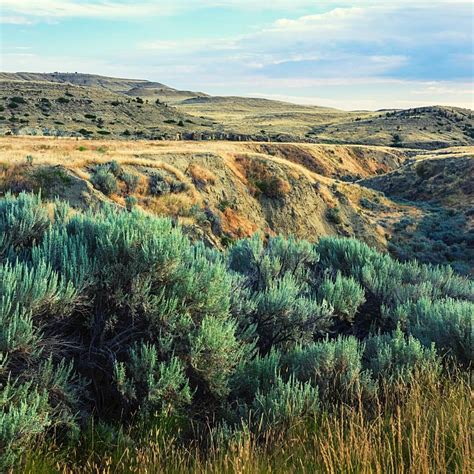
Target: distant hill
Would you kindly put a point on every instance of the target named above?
(131, 87)
(30, 107)
(421, 127)
(134, 107)
(424, 127)
(114, 84)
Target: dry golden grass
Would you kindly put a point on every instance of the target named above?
(173, 205)
(236, 225)
(200, 175)
(78, 152)
(429, 432)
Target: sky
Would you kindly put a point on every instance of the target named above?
(360, 54)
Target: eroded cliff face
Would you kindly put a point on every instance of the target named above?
(222, 191)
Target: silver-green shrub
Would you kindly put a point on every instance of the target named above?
(447, 323)
(396, 357)
(335, 367)
(111, 314)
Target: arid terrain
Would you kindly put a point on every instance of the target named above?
(236, 237)
(96, 106)
(391, 198)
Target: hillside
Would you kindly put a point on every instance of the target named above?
(439, 178)
(131, 87)
(221, 191)
(424, 127)
(208, 117)
(397, 180)
(440, 186)
(62, 109)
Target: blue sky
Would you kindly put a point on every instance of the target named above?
(360, 54)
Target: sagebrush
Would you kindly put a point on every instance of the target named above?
(115, 317)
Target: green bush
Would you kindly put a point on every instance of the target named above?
(23, 221)
(255, 375)
(158, 185)
(153, 386)
(399, 358)
(25, 414)
(273, 294)
(115, 168)
(215, 352)
(387, 281)
(447, 323)
(110, 315)
(344, 294)
(335, 367)
(130, 202)
(333, 214)
(284, 404)
(131, 180)
(105, 181)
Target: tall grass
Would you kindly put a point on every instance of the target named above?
(424, 429)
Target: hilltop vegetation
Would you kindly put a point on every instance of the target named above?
(129, 108)
(115, 316)
(423, 127)
(58, 109)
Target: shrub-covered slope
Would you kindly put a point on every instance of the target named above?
(141, 111)
(68, 110)
(116, 315)
(441, 186)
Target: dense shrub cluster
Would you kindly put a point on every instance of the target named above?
(115, 314)
(441, 237)
(104, 180)
(106, 177)
(159, 184)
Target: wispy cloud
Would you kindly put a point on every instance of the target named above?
(111, 9)
(15, 20)
(415, 50)
(87, 9)
(423, 42)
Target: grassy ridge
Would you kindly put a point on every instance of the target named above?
(126, 108)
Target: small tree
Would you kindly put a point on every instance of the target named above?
(396, 139)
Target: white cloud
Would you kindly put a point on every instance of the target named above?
(346, 57)
(353, 41)
(128, 8)
(15, 20)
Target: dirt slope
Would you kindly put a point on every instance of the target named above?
(245, 186)
(446, 179)
(221, 191)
